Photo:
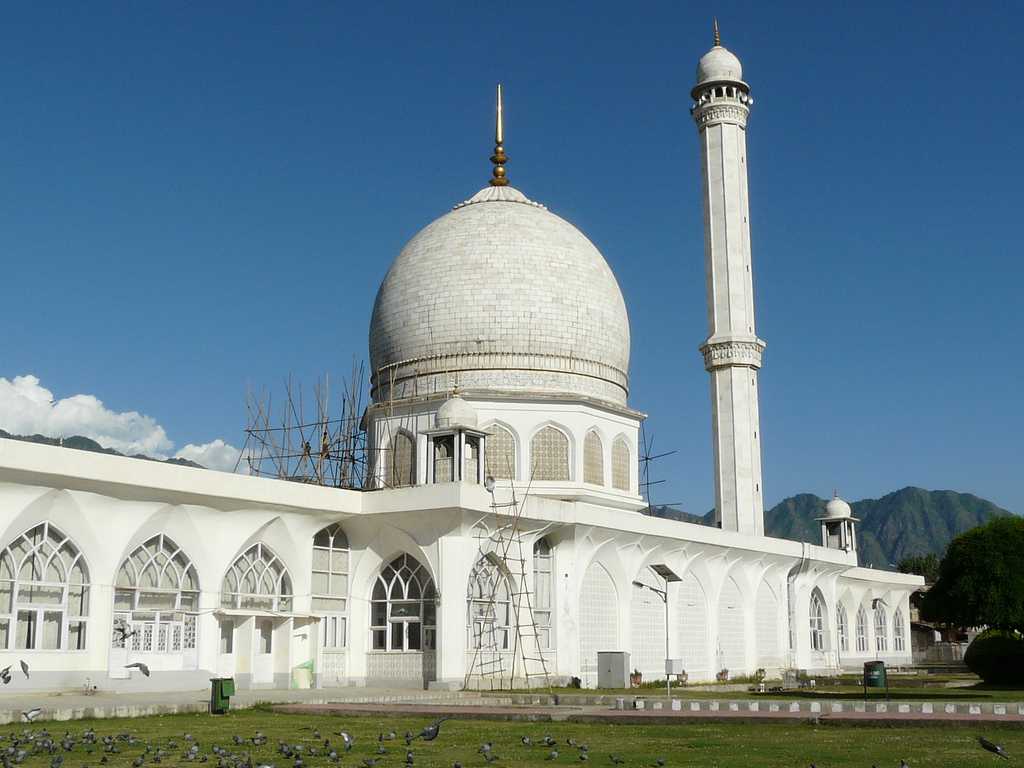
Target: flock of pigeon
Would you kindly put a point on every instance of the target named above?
(236, 752)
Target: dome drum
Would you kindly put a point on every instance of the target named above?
(505, 372)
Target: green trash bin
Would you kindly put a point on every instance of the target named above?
(875, 676)
(221, 691)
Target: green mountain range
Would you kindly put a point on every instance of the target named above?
(80, 443)
(910, 521)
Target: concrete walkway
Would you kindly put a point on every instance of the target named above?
(77, 705)
(603, 714)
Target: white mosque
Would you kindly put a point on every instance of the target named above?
(502, 535)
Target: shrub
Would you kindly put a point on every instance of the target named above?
(997, 657)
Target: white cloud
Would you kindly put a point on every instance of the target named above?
(213, 455)
(28, 408)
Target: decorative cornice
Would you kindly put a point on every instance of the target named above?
(721, 354)
(721, 113)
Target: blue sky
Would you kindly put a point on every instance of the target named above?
(201, 198)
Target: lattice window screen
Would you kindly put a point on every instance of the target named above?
(593, 459)
(620, 464)
(549, 452)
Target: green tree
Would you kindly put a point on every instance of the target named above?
(981, 579)
(923, 565)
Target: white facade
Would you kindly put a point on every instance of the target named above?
(500, 348)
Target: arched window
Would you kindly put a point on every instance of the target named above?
(44, 592)
(157, 596)
(620, 464)
(898, 642)
(403, 608)
(862, 630)
(881, 630)
(549, 455)
(489, 606)
(817, 616)
(257, 580)
(501, 453)
(403, 460)
(593, 459)
(842, 628)
(543, 601)
(330, 584)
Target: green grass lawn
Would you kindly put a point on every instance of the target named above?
(712, 744)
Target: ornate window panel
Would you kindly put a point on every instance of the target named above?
(44, 592)
(330, 585)
(257, 580)
(403, 608)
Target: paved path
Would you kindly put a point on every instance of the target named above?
(77, 705)
(594, 713)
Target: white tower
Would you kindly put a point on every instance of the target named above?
(732, 351)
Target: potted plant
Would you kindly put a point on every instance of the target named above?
(722, 676)
(682, 677)
(635, 678)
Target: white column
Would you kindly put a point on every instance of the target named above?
(732, 351)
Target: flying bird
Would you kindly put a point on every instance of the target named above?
(144, 669)
(347, 738)
(24, 668)
(30, 715)
(993, 747)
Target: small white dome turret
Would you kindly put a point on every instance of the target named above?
(837, 508)
(717, 65)
(456, 412)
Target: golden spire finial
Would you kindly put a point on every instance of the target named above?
(718, 37)
(498, 178)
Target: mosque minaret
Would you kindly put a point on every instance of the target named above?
(732, 351)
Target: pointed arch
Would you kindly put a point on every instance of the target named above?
(647, 625)
(731, 648)
(549, 454)
(899, 641)
(620, 463)
(156, 598)
(766, 626)
(329, 584)
(44, 592)
(402, 466)
(543, 588)
(842, 627)
(862, 630)
(257, 580)
(489, 606)
(403, 607)
(500, 459)
(692, 625)
(881, 629)
(816, 616)
(599, 619)
(593, 458)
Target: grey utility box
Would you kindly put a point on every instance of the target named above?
(613, 669)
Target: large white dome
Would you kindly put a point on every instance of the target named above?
(500, 296)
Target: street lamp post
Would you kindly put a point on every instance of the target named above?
(669, 576)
